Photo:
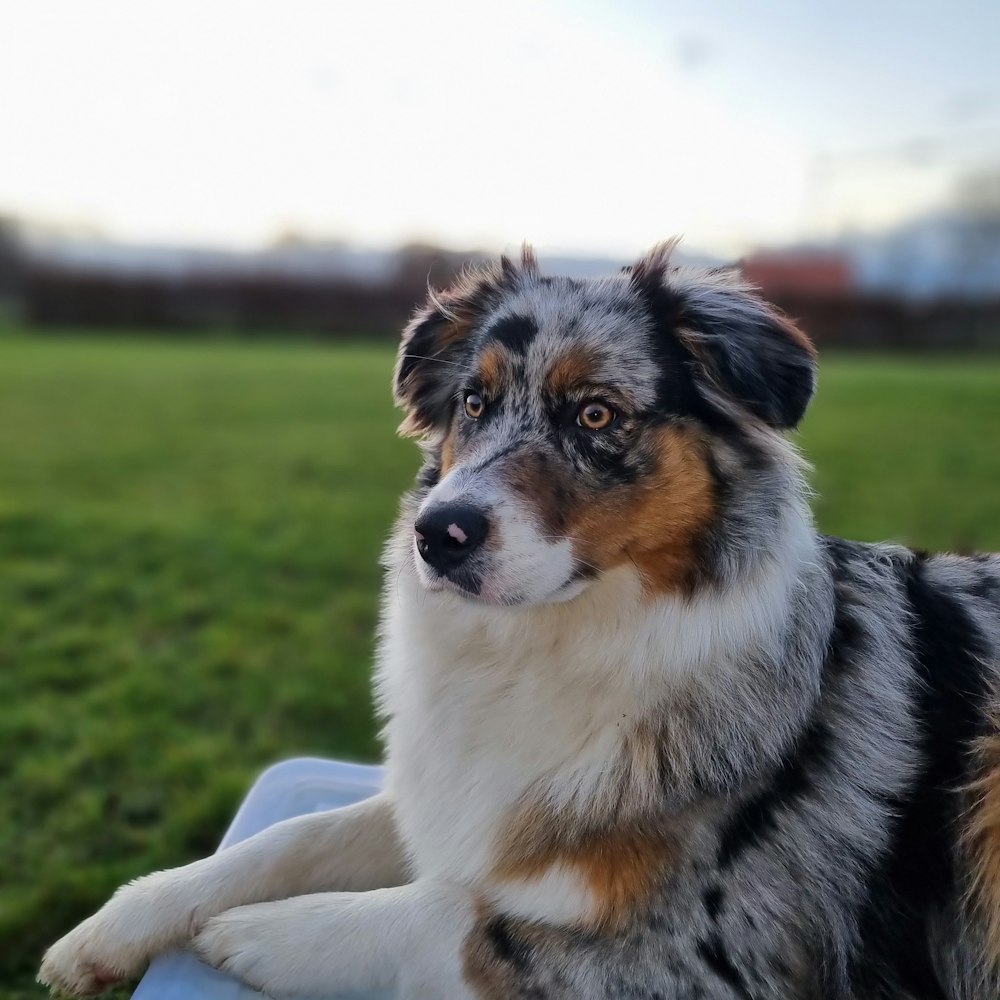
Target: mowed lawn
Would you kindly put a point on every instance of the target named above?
(189, 535)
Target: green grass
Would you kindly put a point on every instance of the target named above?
(189, 536)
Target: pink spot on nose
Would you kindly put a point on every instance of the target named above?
(456, 532)
(419, 535)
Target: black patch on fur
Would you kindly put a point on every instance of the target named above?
(514, 332)
(756, 818)
(847, 640)
(612, 462)
(713, 953)
(917, 876)
(505, 944)
(779, 966)
(986, 588)
(429, 475)
(847, 636)
(713, 902)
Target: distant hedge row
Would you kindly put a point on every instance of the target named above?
(52, 297)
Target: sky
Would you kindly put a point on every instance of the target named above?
(590, 127)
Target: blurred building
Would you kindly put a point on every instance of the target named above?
(809, 272)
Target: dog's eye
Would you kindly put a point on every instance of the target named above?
(474, 405)
(595, 416)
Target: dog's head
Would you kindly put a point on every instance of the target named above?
(569, 425)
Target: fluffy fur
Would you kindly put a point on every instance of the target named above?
(651, 736)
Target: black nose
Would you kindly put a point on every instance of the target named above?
(449, 533)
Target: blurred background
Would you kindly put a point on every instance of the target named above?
(214, 219)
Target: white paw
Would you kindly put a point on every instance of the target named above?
(86, 961)
(247, 942)
(339, 942)
(139, 922)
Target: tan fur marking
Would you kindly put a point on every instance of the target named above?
(983, 836)
(532, 475)
(448, 451)
(571, 370)
(494, 366)
(655, 523)
(622, 861)
(620, 865)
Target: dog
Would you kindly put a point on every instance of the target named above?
(648, 733)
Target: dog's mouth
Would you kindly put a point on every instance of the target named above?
(466, 582)
(478, 586)
(472, 585)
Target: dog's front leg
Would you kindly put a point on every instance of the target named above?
(354, 848)
(407, 939)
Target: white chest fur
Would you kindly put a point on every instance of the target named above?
(483, 705)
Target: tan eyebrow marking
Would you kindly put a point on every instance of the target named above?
(494, 366)
(571, 369)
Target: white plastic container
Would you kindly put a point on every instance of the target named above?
(290, 788)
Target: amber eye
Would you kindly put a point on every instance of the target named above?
(595, 416)
(474, 405)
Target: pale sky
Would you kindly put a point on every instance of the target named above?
(595, 127)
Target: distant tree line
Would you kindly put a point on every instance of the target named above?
(11, 260)
(50, 295)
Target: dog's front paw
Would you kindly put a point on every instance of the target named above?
(88, 961)
(248, 943)
(141, 920)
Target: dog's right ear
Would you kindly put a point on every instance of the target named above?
(430, 356)
(437, 341)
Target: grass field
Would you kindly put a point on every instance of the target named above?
(188, 579)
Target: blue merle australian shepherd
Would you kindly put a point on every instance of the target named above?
(649, 735)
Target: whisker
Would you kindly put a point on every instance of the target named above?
(440, 361)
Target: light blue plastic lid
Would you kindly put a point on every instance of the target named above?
(291, 788)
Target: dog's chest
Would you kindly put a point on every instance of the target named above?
(478, 723)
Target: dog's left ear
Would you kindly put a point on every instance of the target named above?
(737, 343)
